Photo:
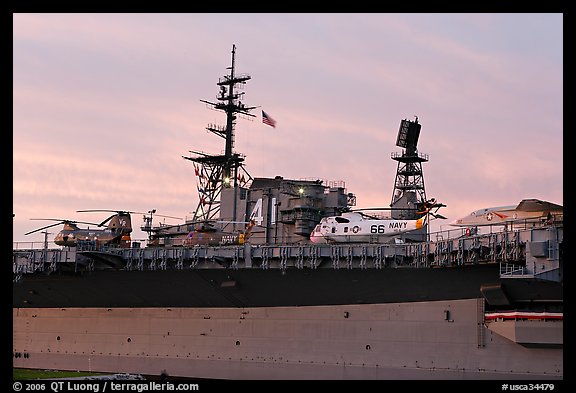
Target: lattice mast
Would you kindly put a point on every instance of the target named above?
(214, 172)
(409, 191)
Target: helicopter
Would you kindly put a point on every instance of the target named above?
(353, 226)
(199, 233)
(208, 235)
(117, 231)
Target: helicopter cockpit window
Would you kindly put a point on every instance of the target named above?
(342, 220)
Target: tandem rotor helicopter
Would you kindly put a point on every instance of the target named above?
(117, 231)
(356, 227)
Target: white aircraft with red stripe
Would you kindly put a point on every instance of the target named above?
(526, 210)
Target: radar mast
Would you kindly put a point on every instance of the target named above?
(409, 192)
(215, 172)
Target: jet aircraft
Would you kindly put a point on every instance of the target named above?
(528, 210)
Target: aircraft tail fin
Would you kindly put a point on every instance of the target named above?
(421, 222)
(120, 222)
(427, 211)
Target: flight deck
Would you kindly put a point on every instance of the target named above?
(527, 252)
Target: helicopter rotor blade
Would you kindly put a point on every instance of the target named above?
(161, 215)
(46, 227)
(109, 211)
(106, 220)
(125, 212)
(51, 219)
(84, 222)
(382, 208)
(369, 216)
(60, 221)
(117, 212)
(103, 210)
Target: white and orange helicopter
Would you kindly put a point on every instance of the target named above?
(357, 227)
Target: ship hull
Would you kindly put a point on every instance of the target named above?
(253, 287)
(409, 340)
(392, 323)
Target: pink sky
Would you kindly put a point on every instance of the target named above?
(106, 105)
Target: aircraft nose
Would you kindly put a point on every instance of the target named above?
(313, 237)
(317, 238)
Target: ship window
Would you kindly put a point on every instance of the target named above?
(342, 220)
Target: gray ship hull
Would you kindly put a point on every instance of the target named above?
(325, 323)
(446, 339)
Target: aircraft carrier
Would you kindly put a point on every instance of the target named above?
(211, 299)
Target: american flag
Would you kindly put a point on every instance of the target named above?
(268, 120)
